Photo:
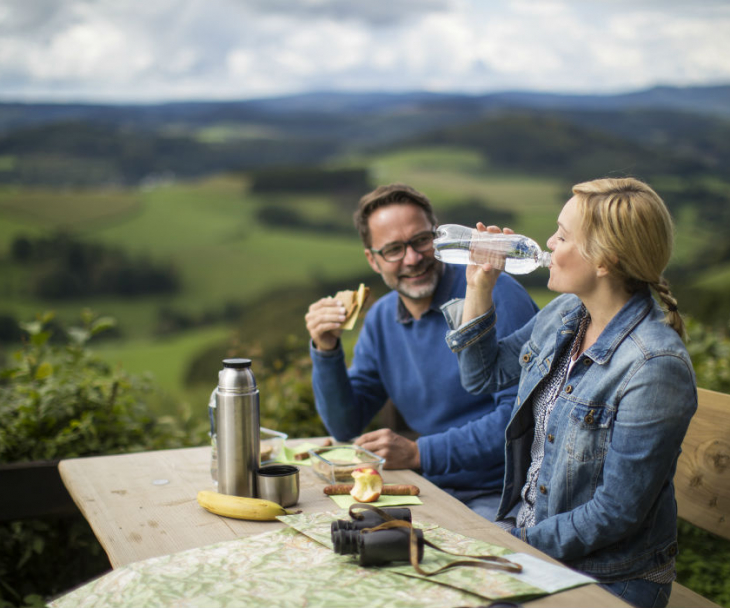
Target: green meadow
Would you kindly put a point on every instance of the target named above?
(209, 232)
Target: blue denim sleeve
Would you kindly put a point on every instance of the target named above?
(480, 443)
(486, 363)
(652, 419)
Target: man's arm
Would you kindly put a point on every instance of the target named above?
(345, 400)
(344, 413)
(467, 448)
(476, 447)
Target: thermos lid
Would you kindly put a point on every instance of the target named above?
(237, 363)
(237, 376)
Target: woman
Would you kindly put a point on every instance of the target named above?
(606, 392)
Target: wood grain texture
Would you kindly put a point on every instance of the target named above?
(136, 516)
(702, 480)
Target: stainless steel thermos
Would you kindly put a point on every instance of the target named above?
(237, 428)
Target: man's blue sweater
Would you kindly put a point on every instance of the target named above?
(461, 439)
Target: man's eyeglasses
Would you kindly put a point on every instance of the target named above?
(395, 252)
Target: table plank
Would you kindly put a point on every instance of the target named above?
(144, 505)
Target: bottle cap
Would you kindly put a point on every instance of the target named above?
(237, 363)
(236, 376)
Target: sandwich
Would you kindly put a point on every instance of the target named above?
(353, 302)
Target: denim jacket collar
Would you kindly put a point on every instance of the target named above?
(622, 324)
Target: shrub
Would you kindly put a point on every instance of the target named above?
(283, 373)
(710, 353)
(287, 399)
(60, 401)
(703, 563)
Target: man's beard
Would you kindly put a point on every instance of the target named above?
(422, 290)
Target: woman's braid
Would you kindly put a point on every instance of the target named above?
(673, 318)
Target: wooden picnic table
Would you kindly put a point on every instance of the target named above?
(144, 505)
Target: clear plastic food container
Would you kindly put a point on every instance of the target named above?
(272, 444)
(335, 464)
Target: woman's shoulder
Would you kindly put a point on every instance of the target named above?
(651, 346)
(656, 337)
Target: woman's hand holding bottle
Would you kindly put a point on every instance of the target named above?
(480, 281)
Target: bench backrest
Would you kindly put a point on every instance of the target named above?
(702, 481)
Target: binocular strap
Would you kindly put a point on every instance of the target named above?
(490, 562)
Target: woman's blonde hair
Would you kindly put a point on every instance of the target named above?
(628, 229)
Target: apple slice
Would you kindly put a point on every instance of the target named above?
(368, 484)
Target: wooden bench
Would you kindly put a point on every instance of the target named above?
(702, 480)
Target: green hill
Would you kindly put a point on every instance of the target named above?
(238, 219)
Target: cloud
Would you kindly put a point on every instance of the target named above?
(141, 50)
(374, 13)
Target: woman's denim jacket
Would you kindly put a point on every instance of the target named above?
(606, 497)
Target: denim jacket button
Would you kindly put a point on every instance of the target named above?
(589, 417)
(543, 489)
(569, 389)
(587, 361)
(526, 357)
(672, 550)
(551, 438)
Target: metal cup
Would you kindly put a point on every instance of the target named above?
(279, 483)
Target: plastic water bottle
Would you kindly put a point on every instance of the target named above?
(513, 253)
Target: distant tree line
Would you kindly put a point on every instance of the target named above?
(62, 267)
(90, 154)
(342, 187)
(547, 143)
(172, 320)
(473, 210)
(303, 180)
(711, 204)
(285, 216)
(571, 145)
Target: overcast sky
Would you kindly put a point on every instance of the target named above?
(160, 50)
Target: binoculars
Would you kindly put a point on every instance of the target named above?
(376, 547)
(370, 519)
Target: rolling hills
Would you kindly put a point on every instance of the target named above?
(181, 186)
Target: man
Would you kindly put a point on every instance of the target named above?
(402, 355)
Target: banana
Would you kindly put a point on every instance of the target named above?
(239, 507)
